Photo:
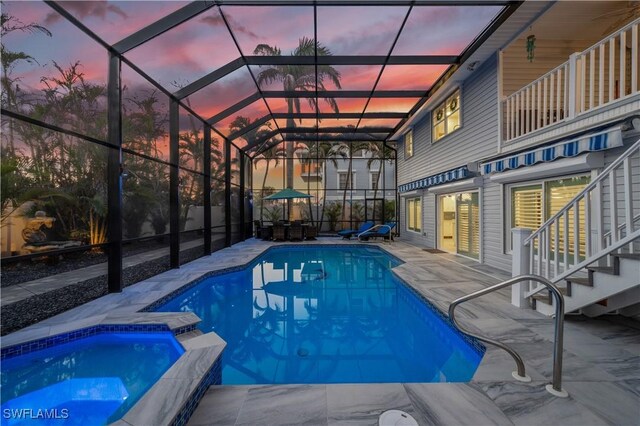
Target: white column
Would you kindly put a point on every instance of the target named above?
(520, 265)
(573, 85)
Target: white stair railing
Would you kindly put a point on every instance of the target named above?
(604, 73)
(581, 232)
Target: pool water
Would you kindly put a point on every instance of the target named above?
(90, 381)
(326, 315)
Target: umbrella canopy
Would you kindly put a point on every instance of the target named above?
(287, 194)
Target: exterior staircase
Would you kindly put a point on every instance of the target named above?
(602, 273)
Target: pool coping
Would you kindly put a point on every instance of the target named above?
(133, 304)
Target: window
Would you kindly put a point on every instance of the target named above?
(446, 117)
(414, 214)
(535, 203)
(375, 178)
(342, 180)
(408, 144)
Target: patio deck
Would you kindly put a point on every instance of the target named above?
(601, 357)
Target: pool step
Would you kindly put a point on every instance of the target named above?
(188, 335)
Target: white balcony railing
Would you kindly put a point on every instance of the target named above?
(598, 76)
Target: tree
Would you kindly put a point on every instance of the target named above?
(324, 152)
(298, 78)
(353, 147)
(272, 154)
(379, 154)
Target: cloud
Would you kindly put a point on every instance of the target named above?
(216, 20)
(84, 9)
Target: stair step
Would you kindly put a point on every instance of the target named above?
(579, 280)
(635, 256)
(604, 269)
(545, 295)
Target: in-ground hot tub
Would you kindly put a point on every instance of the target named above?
(91, 376)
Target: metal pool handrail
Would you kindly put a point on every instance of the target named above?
(556, 387)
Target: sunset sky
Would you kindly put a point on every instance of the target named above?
(203, 44)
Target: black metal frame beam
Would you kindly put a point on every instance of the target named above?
(114, 176)
(174, 184)
(363, 2)
(235, 108)
(353, 60)
(241, 195)
(207, 189)
(340, 115)
(384, 65)
(227, 193)
(321, 95)
(162, 25)
(74, 21)
(344, 94)
(210, 78)
(256, 124)
(263, 139)
(335, 130)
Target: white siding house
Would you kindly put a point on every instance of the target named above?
(525, 148)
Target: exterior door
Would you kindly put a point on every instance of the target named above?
(468, 224)
(459, 223)
(447, 227)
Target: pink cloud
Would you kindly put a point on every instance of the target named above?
(84, 9)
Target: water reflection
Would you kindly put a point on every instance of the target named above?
(325, 316)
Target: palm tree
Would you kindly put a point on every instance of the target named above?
(269, 155)
(298, 78)
(379, 153)
(326, 152)
(353, 147)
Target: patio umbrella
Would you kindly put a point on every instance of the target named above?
(287, 194)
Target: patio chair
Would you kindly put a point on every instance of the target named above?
(266, 233)
(378, 231)
(311, 232)
(279, 233)
(257, 228)
(295, 232)
(348, 233)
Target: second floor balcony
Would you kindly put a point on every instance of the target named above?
(593, 83)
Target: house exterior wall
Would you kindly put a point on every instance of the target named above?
(362, 176)
(476, 140)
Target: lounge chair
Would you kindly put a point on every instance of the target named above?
(378, 231)
(348, 233)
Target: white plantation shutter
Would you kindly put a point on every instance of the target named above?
(526, 207)
(558, 194)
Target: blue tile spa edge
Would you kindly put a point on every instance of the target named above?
(70, 336)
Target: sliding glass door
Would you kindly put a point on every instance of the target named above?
(468, 224)
(459, 227)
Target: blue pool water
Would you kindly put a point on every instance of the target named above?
(325, 315)
(90, 381)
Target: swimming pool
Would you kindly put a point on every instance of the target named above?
(326, 315)
(93, 380)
